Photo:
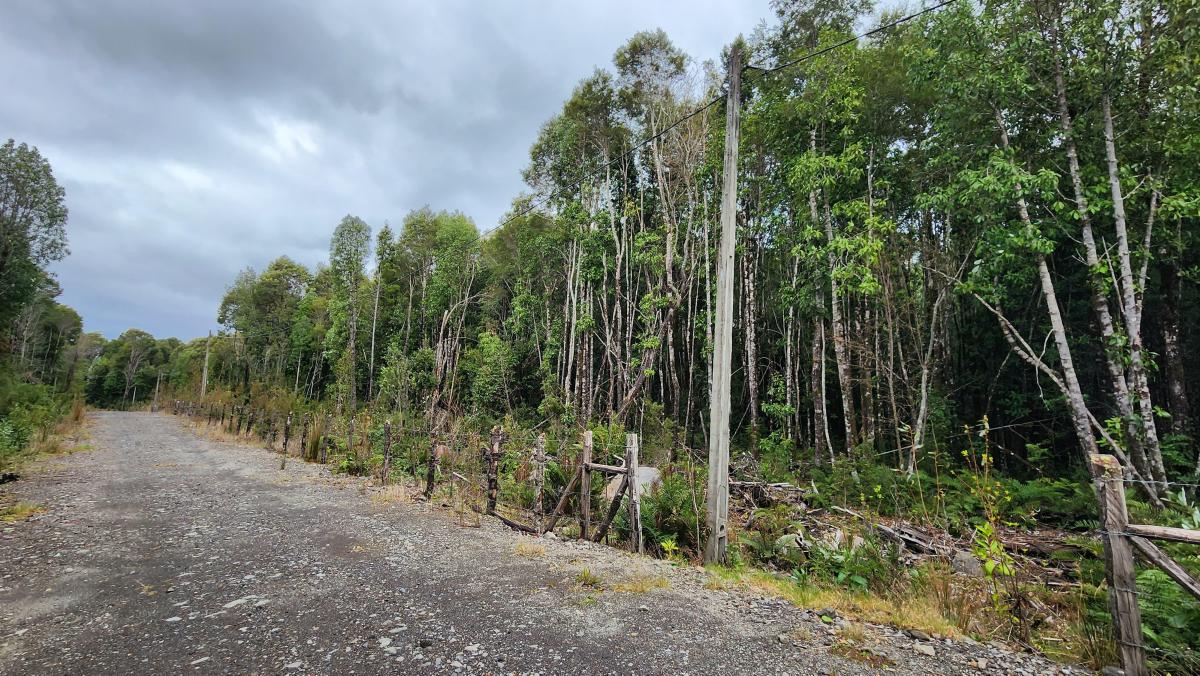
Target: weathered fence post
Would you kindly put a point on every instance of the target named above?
(287, 436)
(350, 439)
(387, 451)
(539, 481)
(431, 472)
(635, 493)
(585, 487)
(328, 438)
(1118, 564)
(304, 423)
(493, 460)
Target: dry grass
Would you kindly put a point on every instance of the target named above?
(390, 495)
(19, 512)
(852, 633)
(916, 611)
(529, 549)
(641, 583)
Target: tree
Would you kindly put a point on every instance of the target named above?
(33, 216)
(348, 251)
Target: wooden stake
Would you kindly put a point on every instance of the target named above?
(539, 481)
(287, 436)
(585, 489)
(635, 493)
(1118, 565)
(328, 438)
(612, 509)
(562, 500)
(431, 473)
(722, 371)
(493, 460)
(304, 422)
(387, 451)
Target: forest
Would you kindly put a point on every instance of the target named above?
(968, 239)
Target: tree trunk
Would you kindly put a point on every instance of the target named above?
(1080, 416)
(1112, 357)
(1172, 352)
(821, 443)
(1139, 381)
(374, 324)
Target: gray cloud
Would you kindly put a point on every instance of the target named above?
(195, 139)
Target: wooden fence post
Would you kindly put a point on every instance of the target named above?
(304, 421)
(1118, 564)
(387, 451)
(493, 460)
(635, 493)
(431, 472)
(350, 453)
(539, 481)
(328, 438)
(287, 436)
(585, 487)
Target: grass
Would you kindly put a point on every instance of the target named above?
(919, 610)
(528, 549)
(641, 583)
(19, 512)
(390, 495)
(65, 439)
(589, 580)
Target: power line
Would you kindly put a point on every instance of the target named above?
(856, 38)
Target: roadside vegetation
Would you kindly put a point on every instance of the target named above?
(44, 353)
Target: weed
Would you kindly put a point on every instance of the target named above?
(586, 578)
(19, 512)
(531, 550)
(641, 583)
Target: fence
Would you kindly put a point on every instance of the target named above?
(448, 452)
(1121, 539)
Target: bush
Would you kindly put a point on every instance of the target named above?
(671, 513)
(13, 439)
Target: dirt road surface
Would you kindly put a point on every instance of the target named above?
(160, 552)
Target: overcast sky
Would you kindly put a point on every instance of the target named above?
(197, 138)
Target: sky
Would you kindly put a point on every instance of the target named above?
(195, 139)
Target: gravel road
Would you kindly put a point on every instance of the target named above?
(163, 552)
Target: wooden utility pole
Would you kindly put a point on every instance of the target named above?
(722, 373)
(157, 383)
(204, 376)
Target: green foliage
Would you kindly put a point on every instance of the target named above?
(871, 566)
(1169, 619)
(672, 512)
(489, 367)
